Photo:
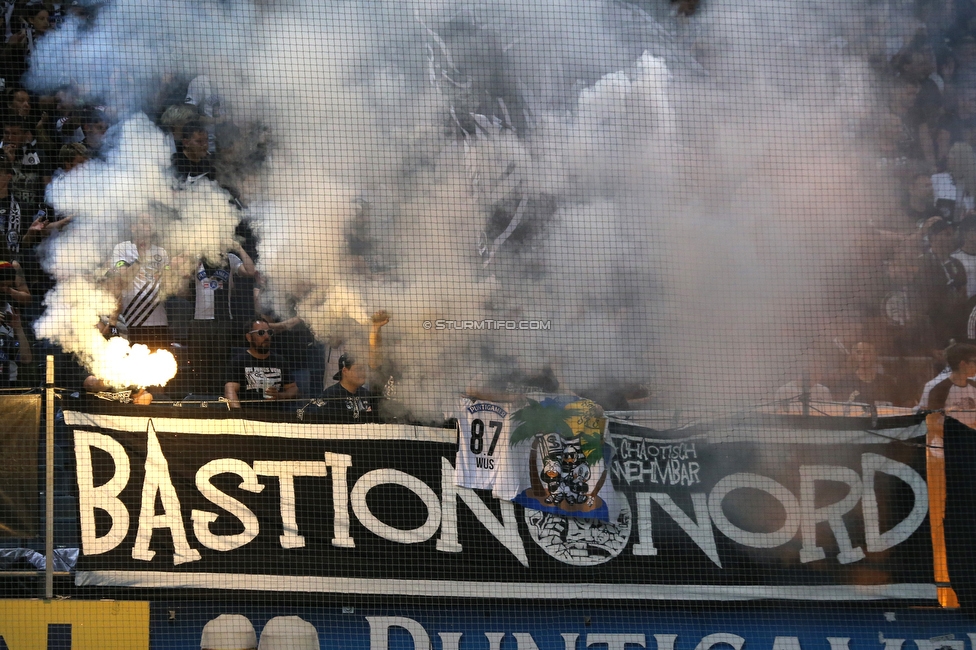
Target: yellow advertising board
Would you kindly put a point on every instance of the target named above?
(74, 625)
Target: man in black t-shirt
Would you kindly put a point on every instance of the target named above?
(32, 166)
(866, 383)
(193, 160)
(350, 401)
(257, 375)
(15, 349)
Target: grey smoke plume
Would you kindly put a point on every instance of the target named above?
(689, 195)
(104, 196)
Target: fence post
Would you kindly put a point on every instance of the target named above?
(49, 480)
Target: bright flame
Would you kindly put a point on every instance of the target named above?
(73, 309)
(120, 365)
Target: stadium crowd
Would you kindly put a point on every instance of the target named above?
(924, 297)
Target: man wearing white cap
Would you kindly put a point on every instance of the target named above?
(229, 632)
(289, 633)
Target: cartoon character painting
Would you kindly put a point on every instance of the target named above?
(576, 473)
(565, 438)
(552, 476)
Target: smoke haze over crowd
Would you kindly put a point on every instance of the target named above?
(688, 201)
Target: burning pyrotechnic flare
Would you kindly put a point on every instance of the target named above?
(191, 221)
(73, 309)
(120, 365)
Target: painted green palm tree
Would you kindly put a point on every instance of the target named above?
(551, 418)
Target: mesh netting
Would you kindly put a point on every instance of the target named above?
(370, 321)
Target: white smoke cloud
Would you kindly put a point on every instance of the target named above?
(692, 186)
(104, 197)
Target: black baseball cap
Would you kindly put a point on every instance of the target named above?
(345, 361)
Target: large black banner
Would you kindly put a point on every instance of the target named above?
(739, 509)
